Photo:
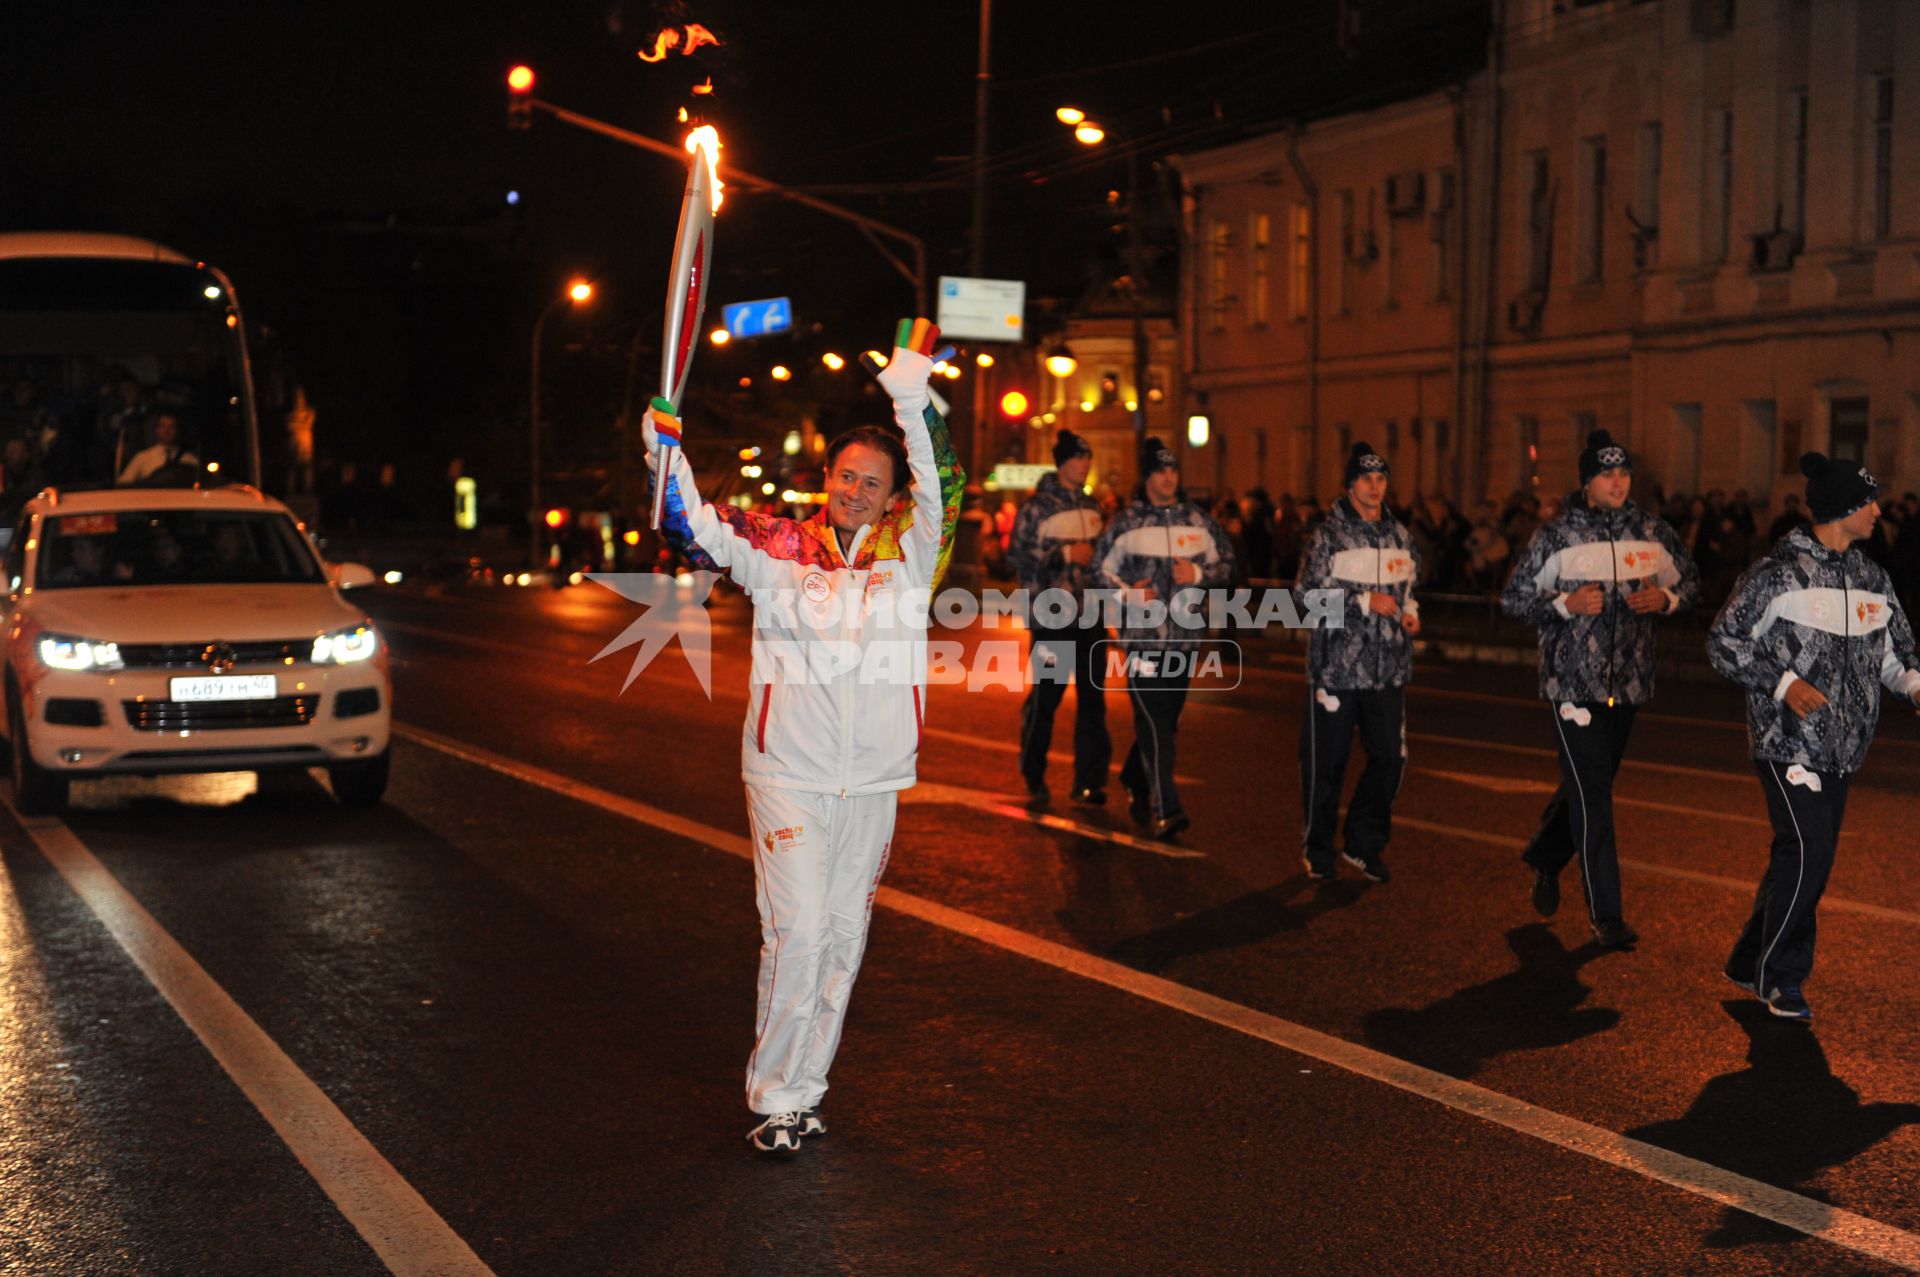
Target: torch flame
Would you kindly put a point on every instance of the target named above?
(667, 39)
(705, 142)
(683, 115)
(704, 88)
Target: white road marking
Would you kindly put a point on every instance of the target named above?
(732, 692)
(999, 805)
(1514, 785)
(388, 1213)
(1832, 1224)
(1743, 886)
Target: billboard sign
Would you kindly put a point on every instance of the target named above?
(982, 309)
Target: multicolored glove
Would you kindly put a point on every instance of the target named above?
(910, 367)
(658, 426)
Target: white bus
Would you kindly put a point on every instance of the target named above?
(100, 337)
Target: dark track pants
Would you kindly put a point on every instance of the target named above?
(1775, 948)
(1578, 819)
(1326, 737)
(1157, 700)
(1058, 654)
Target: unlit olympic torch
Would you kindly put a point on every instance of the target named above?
(686, 294)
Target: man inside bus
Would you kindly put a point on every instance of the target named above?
(20, 477)
(163, 454)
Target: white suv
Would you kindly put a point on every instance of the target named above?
(184, 630)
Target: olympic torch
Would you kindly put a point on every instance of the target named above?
(686, 291)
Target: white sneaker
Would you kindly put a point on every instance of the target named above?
(779, 1133)
(812, 1122)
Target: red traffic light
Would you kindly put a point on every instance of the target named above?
(556, 517)
(1014, 404)
(520, 97)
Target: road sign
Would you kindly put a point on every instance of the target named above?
(759, 318)
(981, 309)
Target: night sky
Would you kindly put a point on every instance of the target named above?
(348, 165)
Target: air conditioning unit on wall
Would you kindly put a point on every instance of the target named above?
(1775, 250)
(1524, 310)
(1406, 193)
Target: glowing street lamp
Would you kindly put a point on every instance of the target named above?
(833, 362)
(1090, 134)
(578, 292)
(719, 336)
(1060, 361)
(1070, 116)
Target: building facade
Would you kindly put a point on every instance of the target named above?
(1695, 223)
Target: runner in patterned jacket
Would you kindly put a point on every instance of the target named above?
(1357, 673)
(1052, 549)
(1595, 580)
(1812, 632)
(1163, 552)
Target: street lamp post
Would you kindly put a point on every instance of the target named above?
(1089, 133)
(578, 291)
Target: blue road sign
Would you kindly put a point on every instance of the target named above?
(759, 318)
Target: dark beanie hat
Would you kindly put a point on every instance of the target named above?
(1364, 460)
(1835, 489)
(1155, 456)
(1068, 445)
(1602, 454)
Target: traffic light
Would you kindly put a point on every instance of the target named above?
(520, 97)
(556, 518)
(1014, 404)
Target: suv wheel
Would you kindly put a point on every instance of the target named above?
(359, 783)
(36, 791)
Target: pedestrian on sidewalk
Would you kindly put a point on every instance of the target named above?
(1595, 580)
(1052, 552)
(1812, 632)
(1162, 552)
(829, 741)
(1357, 674)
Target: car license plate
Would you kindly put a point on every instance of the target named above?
(234, 687)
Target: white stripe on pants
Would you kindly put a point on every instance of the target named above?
(817, 860)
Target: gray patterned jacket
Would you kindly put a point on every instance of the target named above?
(1593, 658)
(1142, 543)
(1832, 619)
(1052, 519)
(1358, 558)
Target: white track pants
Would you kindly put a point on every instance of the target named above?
(817, 861)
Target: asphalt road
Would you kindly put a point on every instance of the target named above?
(499, 1023)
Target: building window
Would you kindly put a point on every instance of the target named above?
(1259, 231)
(1719, 185)
(1795, 211)
(1302, 261)
(1390, 265)
(1440, 231)
(1646, 203)
(1539, 220)
(1343, 284)
(1593, 209)
(1882, 156)
(1217, 276)
(1850, 431)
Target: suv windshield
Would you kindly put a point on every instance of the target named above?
(173, 547)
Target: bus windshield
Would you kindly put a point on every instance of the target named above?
(120, 369)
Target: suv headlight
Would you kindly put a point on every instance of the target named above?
(64, 652)
(344, 647)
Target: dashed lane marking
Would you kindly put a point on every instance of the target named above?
(983, 800)
(1818, 1219)
(1744, 887)
(728, 691)
(1515, 785)
(388, 1213)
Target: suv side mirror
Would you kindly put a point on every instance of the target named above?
(349, 576)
